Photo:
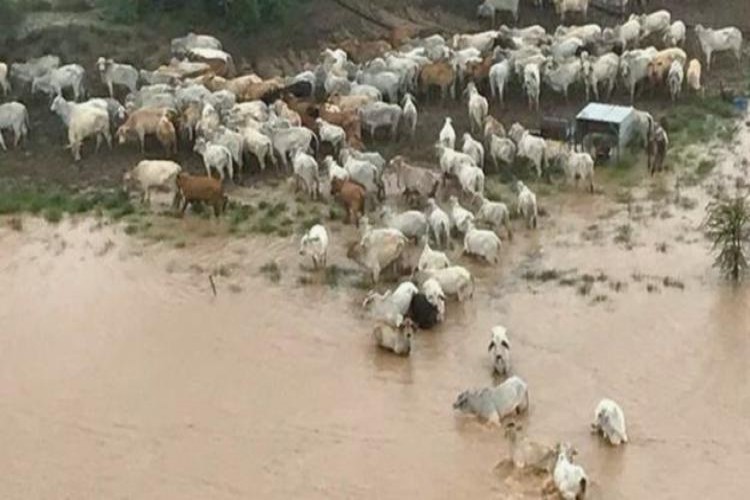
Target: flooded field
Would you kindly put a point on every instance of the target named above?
(123, 376)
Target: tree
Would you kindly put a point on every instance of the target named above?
(728, 227)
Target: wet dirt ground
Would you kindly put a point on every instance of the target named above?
(122, 376)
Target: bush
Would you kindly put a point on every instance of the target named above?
(728, 227)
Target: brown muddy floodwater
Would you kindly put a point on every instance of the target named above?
(121, 376)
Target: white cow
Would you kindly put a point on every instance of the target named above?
(473, 148)
(432, 259)
(478, 108)
(603, 69)
(609, 421)
(527, 205)
(482, 243)
(447, 136)
(720, 40)
(569, 478)
(675, 78)
(410, 115)
(564, 6)
(439, 222)
(529, 147)
(500, 74)
(499, 350)
(314, 244)
(153, 175)
(14, 116)
(460, 217)
(492, 404)
(54, 82)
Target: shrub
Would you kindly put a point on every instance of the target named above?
(728, 227)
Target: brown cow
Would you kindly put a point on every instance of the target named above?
(348, 120)
(439, 74)
(352, 196)
(194, 188)
(307, 110)
(479, 72)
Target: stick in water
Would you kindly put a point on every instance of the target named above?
(213, 285)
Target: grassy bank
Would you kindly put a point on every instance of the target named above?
(53, 202)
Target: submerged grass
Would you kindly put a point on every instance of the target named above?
(335, 275)
(272, 271)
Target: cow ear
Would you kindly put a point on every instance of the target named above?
(492, 345)
(505, 344)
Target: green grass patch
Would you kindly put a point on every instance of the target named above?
(309, 222)
(52, 201)
(700, 120)
(624, 171)
(53, 215)
(705, 167)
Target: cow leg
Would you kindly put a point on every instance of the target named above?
(176, 199)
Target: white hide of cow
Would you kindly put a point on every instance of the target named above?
(478, 108)
(569, 478)
(447, 136)
(726, 39)
(473, 148)
(440, 225)
(529, 147)
(432, 259)
(460, 217)
(492, 404)
(314, 244)
(153, 175)
(499, 350)
(609, 422)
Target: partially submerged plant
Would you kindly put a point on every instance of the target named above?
(727, 225)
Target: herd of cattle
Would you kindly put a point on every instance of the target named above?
(365, 88)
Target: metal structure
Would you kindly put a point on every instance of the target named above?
(616, 122)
